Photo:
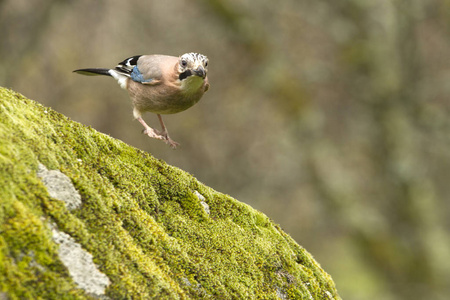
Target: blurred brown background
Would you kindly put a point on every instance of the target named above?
(330, 116)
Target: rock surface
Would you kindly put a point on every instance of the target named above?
(141, 229)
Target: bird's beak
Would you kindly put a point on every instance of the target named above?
(200, 71)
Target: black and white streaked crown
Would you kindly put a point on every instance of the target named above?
(192, 56)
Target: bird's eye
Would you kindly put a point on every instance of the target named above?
(206, 63)
(184, 63)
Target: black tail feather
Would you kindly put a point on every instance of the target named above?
(93, 71)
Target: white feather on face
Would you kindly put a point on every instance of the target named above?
(192, 61)
(193, 68)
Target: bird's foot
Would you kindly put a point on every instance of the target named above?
(171, 143)
(168, 140)
(153, 133)
(164, 136)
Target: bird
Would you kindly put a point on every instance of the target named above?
(161, 84)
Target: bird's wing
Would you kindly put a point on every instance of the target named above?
(144, 69)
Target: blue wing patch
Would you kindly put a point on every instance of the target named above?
(137, 76)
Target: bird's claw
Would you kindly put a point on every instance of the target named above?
(171, 143)
(168, 140)
(153, 133)
(156, 134)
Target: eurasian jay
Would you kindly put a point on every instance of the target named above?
(160, 84)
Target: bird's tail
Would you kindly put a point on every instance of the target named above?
(93, 71)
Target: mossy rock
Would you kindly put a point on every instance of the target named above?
(137, 229)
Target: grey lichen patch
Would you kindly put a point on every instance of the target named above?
(281, 294)
(80, 265)
(198, 287)
(202, 202)
(59, 186)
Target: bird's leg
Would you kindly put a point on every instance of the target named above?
(165, 134)
(150, 131)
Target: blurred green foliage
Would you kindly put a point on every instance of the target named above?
(330, 116)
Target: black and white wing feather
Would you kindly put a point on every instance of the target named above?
(126, 66)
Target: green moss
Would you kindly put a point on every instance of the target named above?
(140, 219)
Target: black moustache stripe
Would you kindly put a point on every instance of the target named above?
(185, 74)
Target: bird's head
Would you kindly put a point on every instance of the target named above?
(192, 64)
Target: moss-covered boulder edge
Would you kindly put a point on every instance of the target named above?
(138, 229)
